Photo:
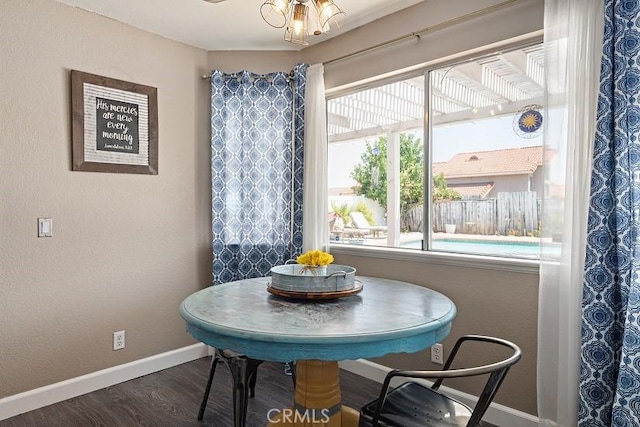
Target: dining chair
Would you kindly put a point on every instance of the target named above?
(413, 404)
(244, 371)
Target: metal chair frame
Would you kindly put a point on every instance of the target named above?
(244, 371)
(497, 372)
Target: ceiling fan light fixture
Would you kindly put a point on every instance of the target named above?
(297, 31)
(329, 14)
(275, 12)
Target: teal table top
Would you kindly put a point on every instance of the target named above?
(388, 316)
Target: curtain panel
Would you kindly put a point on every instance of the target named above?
(573, 50)
(316, 193)
(610, 369)
(257, 155)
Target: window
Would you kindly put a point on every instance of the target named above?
(481, 155)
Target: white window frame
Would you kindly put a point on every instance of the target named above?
(518, 265)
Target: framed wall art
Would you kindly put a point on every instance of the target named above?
(114, 125)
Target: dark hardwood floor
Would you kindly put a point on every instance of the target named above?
(172, 398)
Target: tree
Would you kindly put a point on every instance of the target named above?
(440, 190)
(371, 172)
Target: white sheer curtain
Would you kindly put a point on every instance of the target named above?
(316, 201)
(573, 31)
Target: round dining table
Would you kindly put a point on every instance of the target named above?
(387, 316)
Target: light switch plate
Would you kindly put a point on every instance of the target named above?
(45, 227)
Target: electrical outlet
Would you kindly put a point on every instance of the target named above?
(118, 340)
(436, 353)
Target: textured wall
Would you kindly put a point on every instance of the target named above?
(126, 249)
(257, 61)
(520, 18)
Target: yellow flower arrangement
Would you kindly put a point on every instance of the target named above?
(315, 258)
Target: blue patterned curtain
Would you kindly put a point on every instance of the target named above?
(256, 171)
(610, 364)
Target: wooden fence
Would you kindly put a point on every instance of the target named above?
(510, 213)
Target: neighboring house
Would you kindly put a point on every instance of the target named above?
(484, 174)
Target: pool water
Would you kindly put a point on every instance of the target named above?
(484, 247)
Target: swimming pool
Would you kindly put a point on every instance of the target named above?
(485, 247)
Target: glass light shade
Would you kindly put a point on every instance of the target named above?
(329, 15)
(275, 12)
(297, 30)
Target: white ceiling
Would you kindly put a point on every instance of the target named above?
(230, 25)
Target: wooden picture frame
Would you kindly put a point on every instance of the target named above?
(114, 125)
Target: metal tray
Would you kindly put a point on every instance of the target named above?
(288, 278)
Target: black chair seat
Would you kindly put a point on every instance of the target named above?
(414, 405)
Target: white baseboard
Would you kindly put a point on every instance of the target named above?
(497, 414)
(53, 393)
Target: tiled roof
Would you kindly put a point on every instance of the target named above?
(472, 191)
(510, 161)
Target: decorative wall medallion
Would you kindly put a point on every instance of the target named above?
(527, 123)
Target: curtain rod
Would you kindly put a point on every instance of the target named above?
(431, 29)
(236, 75)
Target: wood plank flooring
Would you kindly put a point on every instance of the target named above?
(172, 398)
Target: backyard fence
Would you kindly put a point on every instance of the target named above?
(508, 214)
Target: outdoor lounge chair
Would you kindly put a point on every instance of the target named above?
(361, 223)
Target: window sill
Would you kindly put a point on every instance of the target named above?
(517, 265)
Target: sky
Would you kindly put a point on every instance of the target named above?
(488, 134)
